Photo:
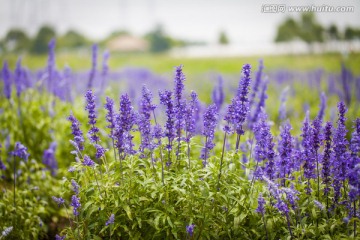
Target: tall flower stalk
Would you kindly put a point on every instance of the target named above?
(191, 108)
(210, 120)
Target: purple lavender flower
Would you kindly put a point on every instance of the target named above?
(179, 103)
(7, 81)
(261, 103)
(105, 69)
(51, 65)
(283, 99)
(190, 229)
(57, 237)
(49, 158)
(88, 162)
(75, 186)
(256, 83)
(291, 196)
(90, 107)
(218, 93)
(20, 151)
(75, 202)
(7, 231)
(191, 108)
(93, 67)
(100, 151)
(319, 205)
(308, 153)
(322, 106)
(261, 130)
(124, 124)
(18, 78)
(210, 121)
(341, 155)
(326, 160)
(59, 200)
(146, 108)
(110, 220)
(78, 135)
(354, 165)
(284, 164)
(165, 99)
(110, 115)
(261, 205)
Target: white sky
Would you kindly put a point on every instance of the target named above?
(199, 20)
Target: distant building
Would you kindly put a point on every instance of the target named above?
(127, 43)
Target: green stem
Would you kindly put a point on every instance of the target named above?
(221, 163)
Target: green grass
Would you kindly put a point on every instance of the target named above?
(164, 63)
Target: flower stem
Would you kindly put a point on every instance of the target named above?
(221, 163)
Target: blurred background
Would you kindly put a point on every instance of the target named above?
(185, 29)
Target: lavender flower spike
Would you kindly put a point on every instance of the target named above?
(88, 162)
(326, 159)
(75, 202)
(7, 81)
(322, 106)
(78, 135)
(75, 186)
(20, 151)
(308, 153)
(59, 200)
(284, 164)
(261, 205)
(190, 229)
(210, 120)
(111, 220)
(90, 107)
(110, 115)
(94, 65)
(165, 99)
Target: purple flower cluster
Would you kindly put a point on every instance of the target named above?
(326, 159)
(110, 220)
(190, 229)
(88, 162)
(166, 100)
(60, 201)
(49, 158)
(308, 153)
(94, 65)
(6, 75)
(210, 121)
(146, 108)
(191, 108)
(90, 107)
(20, 151)
(124, 124)
(110, 115)
(341, 156)
(284, 163)
(239, 108)
(76, 186)
(218, 96)
(75, 203)
(261, 205)
(78, 135)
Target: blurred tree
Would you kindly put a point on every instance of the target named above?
(350, 33)
(71, 40)
(40, 43)
(16, 40)
(311, 30)
(333, 32)
(223, 39)
(287, 31)
(159, 42)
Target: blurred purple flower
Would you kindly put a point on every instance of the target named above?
(76, 186)
(75, 202)
(20, 151)
(49, 158)
(110, 220)
(93, 66)
(59, 200)
(6, 75)
(190, 229)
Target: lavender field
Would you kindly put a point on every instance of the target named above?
(177, 152)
